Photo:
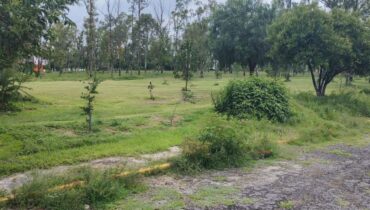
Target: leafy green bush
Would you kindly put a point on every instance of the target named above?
(223, 143)
(11, 88)
(254, 98)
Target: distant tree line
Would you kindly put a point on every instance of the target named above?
(136, 40)
(283, 37)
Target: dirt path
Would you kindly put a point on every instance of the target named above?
(10, 183)
(337, 177)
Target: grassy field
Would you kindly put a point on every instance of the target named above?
(51, 131)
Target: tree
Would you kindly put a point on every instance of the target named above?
(109, 20)
(185, 58)
(161, 47)
(138, 6)
(62, 46)
(180, 19)
(120, 40)
(361, 7)
(328, 43)
(147, 31)
(24, 24)
(357, 7)
(238, 33)
(89, 97)
(90, 27)
(197, 32)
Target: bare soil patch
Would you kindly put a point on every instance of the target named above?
(337, 177)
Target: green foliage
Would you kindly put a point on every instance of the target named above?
(328, 43)
(53, 133)
(334, 116)
(10, 88)
(223, 143)
(99, 188)
(61, 52)
(238, 33)
(254, 98)
(286, 204)
(24, 23)
(89, 97)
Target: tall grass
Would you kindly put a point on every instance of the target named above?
(97, 189)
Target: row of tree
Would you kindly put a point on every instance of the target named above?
(198, 35)
(325, 39)
(134, 40)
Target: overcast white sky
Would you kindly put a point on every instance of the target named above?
(78, 12)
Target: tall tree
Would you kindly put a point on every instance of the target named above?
(238, 33)
(62, 46)
(180, 19)
(327, 43)
(139, 6)
(90, 28)
(120, 40)
(197, 35)
(162, 45)
(109, 18)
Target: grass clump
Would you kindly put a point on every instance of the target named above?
(254, 98)
(223, 143)
(213, 196)
(92, 189)
(286, 204)
(332, 106)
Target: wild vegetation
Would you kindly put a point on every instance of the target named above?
(254, 98)
(308, 86)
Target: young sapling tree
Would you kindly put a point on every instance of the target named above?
(89, 97)
(151, 88)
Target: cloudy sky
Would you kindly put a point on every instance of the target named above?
(78, 12)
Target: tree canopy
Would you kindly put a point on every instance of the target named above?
(23, 24)
(328, 43)
(238, 33)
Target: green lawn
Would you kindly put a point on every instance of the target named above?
(50, 132)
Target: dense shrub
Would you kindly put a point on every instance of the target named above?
(253, 98)
(223, 143)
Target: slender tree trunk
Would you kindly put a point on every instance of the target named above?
(90, 121)
(186, 83)
(252, 68)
